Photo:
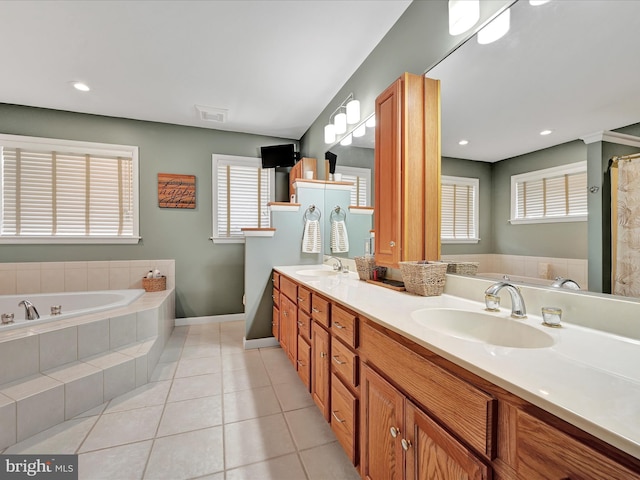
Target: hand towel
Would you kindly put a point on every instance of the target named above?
(311, 239)
(339, 239)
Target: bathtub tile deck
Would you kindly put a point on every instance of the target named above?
(203, 419)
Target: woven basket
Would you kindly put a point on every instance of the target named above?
(154, 284)
(426, 279)
(463, 268)
(365, 266)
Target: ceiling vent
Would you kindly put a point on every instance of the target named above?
(212, 114)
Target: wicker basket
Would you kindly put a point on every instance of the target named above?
(365, 266)
(154, 284)
(463, 268)
(426, 279)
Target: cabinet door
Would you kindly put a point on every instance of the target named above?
(288, 327)
(320, 368)
(381, 428)
(304, 361)
(430, 452)
(387, 221)
(275, 323)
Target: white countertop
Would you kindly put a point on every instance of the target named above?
(589, 378)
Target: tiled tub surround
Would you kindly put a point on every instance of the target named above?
(588, 378)
(50, 277)
(54, 371)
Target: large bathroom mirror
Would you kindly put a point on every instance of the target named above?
(568, 67)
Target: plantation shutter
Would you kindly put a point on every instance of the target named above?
(459, 208)
(360, 177)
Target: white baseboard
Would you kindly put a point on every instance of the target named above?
(233, 317)
(260, 343)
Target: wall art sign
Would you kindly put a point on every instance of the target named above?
(176, 191)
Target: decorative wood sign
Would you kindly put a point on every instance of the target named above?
(176, 191)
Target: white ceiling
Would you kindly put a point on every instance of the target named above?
(275, 65)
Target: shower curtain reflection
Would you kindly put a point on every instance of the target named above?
(625, 228)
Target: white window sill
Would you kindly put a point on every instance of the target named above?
(452, 241)
(222, 241)
(524, 221)
(48, 240)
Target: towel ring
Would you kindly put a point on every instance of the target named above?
(310, 212)
(337, 214)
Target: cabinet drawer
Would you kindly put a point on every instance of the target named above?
(469, 412)
(304, 361)
(304, 325)
(289, 288)
(544, 452)
(304, 299)
(320, 310)
(276, 298)
(344, 408)
(344, 325)
(345, 362)
(276, 280)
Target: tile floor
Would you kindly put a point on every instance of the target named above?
(213, 411)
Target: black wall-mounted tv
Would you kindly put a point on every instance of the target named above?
(278, 156)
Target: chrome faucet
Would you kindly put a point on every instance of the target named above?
(337, 266)
(560, 282)
(492, 300)
(30, 312)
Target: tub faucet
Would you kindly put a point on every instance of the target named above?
(560, 282)
(30, 312)
(492, 301)
(337, 266)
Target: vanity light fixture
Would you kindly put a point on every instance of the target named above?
(83, 87)
(347, 113)
(346, 140)
(545, 132)
(463, 142)
(496, 29)
(463, 14)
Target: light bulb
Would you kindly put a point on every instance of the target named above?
(496, 29)
(353, 112)
(371, 121)
(463, 14)
(360, 130)
(346, 140)
(340, 122)
(83, 87)
(329, 133)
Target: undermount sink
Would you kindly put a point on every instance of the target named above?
(317, 272)
(483, 328)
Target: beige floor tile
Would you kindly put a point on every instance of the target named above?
(64, 438)
(254, 377)
(236, 327)
(309, 428)
(145, 396)
(204, 338)
(253, 403)
(281, 468)
(118, 428)
(195, 387)
(293, 396)
(199, 351)
(241, 361)
(187, 455)
(124, 462)
(187, 415)
(256, 440)
(164, 371)
(328, 461)
(189, 367)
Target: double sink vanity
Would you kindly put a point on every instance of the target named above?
(438, 387)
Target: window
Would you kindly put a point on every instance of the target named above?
(459, 209)
(61, 191)
(557, 194)
(361, 178)
(241, 191)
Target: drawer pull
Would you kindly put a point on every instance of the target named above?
(273, 296)
(285, 313)
(335, 359)
(337, 325)
(323, 354)
(315, 310)
(392, 243)
(336, 416)
(300, 299)
(300, 324)
(394, 432)
(406, 444)
(300, 363)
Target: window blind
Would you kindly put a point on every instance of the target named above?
(459, 208)
(242, 194)
(51, 193)
(559, 193)
(361, 179)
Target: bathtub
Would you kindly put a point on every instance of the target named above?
(516, 278)
(73, 304)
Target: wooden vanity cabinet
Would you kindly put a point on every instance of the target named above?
(407, 165)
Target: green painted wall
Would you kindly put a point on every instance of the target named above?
(209, 277)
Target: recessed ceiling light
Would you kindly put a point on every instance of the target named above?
(463, 142)
(545, 132)
(83, 87)
(537, 3)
